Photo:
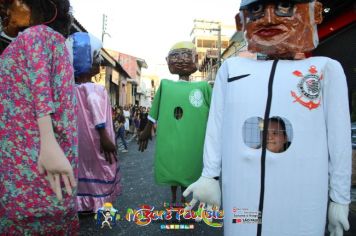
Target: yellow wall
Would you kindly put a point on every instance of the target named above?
(129, 98)
(100, 78)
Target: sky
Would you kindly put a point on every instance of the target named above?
(147, 29)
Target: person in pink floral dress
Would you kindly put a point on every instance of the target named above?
(38, 133)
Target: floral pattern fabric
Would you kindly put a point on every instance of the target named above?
(36, 79)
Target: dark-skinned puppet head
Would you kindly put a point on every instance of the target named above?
(86, 55)
(17, 15)
(182, 59)
(280, 28)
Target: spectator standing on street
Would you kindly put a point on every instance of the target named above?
(136, 121)
(120, 127)
(143, 119)
(38, 126)
(126, 114)
(98, 166)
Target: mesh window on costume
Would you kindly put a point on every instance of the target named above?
(279, 135)
(252, 132)
(178, 113)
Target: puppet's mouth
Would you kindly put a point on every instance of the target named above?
(269, 32)
(181, 65)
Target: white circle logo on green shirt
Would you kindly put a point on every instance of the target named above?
(196, 98)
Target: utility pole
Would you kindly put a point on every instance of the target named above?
(104, 28)
(219, 45)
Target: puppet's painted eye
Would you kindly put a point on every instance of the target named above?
(256, 8)
(255, 11)
(284, 8)
(285, 4)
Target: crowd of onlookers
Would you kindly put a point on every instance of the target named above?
(129, 120)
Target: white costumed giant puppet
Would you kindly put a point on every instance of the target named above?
(288, 190)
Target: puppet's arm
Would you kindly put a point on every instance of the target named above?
(207, 189)
(338, 124)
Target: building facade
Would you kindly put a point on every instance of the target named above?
(211, 38)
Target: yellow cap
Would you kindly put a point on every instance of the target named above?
(183, 44)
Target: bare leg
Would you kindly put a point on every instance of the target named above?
(182, 199)
(174, 194)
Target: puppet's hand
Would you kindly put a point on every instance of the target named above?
(107, 146)
(53, 161)
(205, 190)
(338, 222)
(144, 136)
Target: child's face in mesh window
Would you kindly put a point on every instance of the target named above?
(276, 137)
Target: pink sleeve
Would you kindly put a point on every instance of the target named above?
(97, 105)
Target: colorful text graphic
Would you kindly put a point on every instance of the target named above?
(146, 214)
(175, 226)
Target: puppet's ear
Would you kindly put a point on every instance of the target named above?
(318, 12)
(239, 24)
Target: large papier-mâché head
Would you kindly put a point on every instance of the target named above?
(85, 49)
(280, 28)
(182, 59)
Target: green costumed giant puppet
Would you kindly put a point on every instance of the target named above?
(180, 109)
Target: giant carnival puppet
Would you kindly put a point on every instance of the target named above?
(287, 191)
(98, 177)
(181, 109)
(38, 125)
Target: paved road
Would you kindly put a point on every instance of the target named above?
(139, 188)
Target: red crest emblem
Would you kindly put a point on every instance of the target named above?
(309, 88)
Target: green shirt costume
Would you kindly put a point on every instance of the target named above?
(179, 143)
